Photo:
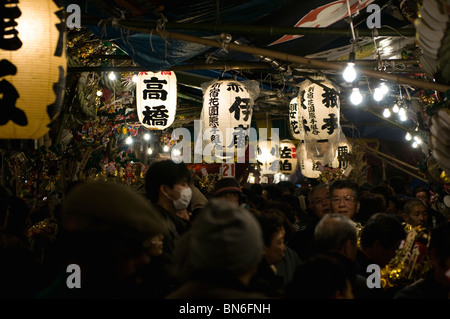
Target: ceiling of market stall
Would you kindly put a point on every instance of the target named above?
(289, 41)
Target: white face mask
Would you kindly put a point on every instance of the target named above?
(184, 200)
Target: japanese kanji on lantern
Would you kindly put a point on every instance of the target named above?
(31, 93)
(319, 114)
(156, 99)
(288, 157)
(343, 150)
(294, 119)
(268, 156)
(308, 167)
(227, 113)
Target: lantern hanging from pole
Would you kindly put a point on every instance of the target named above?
(32, 67)
(268, 156)
(227, 113)
(319, 114)
(288, 157)
(308, 167)
(156, 99)
(343, 149)
(295, 125)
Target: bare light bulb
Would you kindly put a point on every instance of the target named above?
(395, 108)
(149, 151)
(146, 136)
(386, 113)
(166, 148)
(349, 73)
(356, 97)
(378, 94)
(112, 76)
(129, 140)
(408, 136)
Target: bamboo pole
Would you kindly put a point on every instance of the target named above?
(149, 25)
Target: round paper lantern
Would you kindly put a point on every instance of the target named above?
(268, 156)
(308, 166)
(319, 111)
(156, 99)
(288, 157)
(32, 67)
(295, 126)
(226, 114)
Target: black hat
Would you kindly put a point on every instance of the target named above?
(227, 185)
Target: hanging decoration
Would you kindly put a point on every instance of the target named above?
(288, 157)
(294, 119)
(156, 99)
(31, 93)
(268, 157)
(308, 168)
(343, 151)
(227, 113)
(319, 114)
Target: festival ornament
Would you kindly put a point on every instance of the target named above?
(319, 116)
(227, 112)
(156, 99)
(31, 94)
(268, 156)
(308, 168)
(288, 157)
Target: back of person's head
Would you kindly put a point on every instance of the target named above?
(105, 224)
(227, 185)
(256, 189)
(333, 231)
(271, 223)
(287, 213)
(383, 190)
(320, 277)
(398, 184)
(346, 183)
(224, 240)
(370, 204)
(382, 227)
(165, 172)
(272, 192)
(286, 187)
(440, 243)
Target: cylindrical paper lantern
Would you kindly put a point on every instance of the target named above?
(319, 111)
(32, 67)
(227, 111)
(342, 148)
(308, 167)
(288, 157)
(156, 99)
(295, 125)
(268, 156)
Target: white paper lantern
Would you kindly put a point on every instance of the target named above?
(32, 67)
(295, 125)
(288, 157)
(156, 99)
(308, 167)
(227, 112)
(319, 111)
(268, 155)
(342, 148)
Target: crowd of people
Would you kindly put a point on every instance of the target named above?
(173, 240)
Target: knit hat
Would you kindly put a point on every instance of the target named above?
(225, 238)
(109, 208)
(227, 185)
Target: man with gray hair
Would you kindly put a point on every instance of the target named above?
(336, 235)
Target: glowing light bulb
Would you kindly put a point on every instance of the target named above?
(356, 97)
(129, 140)
(418, 140)
(384, 88)
(146, 136)
(149, 151)
(349, 73)
(112, 76)
(414, 144)
(386, 113)
(408, 136)
(166, 148)
(134, 78)
(395, 108)
(99, 92)
(378, 94)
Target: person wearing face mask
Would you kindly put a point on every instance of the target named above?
(168, 186)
